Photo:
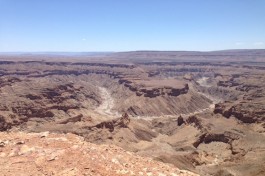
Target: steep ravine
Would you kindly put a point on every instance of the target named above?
(105, 108)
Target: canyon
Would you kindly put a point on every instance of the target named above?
(196, 112)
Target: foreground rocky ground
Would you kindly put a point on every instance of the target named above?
(207, 117)
(35, 154)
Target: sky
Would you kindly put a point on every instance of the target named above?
(128, 25)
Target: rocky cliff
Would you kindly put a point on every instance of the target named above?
(155, 88)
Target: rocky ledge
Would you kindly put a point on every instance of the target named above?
(154, 88)
(67, 154)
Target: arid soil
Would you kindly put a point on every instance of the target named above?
(207, 117)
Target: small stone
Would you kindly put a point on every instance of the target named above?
(20, 142)
(13, 153)
(114, 160)
(123, 171)
(2, 144)
(149, 174)
(52, 158)
(2, 154)
(25, 150)
(74, 147)
(44, 134)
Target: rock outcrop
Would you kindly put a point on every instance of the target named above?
(207, 138)
(180, 120)
(3, 124)
(122, 122)
(68, 155)
(195, 122)
(241, 111)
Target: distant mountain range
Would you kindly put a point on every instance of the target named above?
(243, 55)
(57, 53)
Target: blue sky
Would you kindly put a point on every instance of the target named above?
(126, 25)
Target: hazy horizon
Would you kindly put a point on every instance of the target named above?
(91, 52)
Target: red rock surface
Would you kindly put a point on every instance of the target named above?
(68, 154)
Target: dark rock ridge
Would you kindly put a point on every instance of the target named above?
(8, 81)
(45, 104)
(122, 122)
(195, 121)
(153, 92)
(74, 119)
(207, 138)
(242, 112)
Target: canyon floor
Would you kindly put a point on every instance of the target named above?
(149, 113)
